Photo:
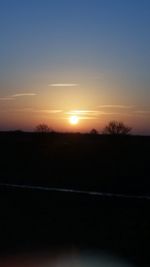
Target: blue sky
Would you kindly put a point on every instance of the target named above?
(102, 46)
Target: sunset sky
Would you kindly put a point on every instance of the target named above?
(84, 58)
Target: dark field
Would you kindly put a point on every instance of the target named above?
(101, 163)
(36, 220)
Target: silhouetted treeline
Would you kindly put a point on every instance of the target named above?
(112, 128)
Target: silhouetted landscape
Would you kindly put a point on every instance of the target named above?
(33, 219)
(79, 161)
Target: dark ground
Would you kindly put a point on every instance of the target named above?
(39, 220)
(105, 163)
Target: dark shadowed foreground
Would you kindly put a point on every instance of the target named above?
(50, 224)
(37, 222)
(92, 162)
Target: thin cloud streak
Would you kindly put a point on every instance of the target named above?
(6, 98)
(90, 112)
(12, 97)
(87, 118)
(78, 112)
(23, 94)
(51, 111)
(31, 110)
(63, 84)
(116, 106)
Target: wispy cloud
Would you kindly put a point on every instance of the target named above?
(50, 111)
(116, 106)
(83, 114)
(89, 113)
(63, 84)
(78, 112)
(87, 118)
(6, 98)
(12, 97)
(32, 110)
(23, 94)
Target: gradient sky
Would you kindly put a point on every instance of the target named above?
(84, 57)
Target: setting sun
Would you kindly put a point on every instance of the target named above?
(74, 120)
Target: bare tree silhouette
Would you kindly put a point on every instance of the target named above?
(42, 128)
(93, 131)
(117, 128)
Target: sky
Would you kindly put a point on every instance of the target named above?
(85, 58)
